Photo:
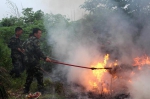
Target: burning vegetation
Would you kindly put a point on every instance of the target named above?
(117, 27)
(112, 83)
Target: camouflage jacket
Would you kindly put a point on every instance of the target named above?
(14, 44)
(32, 49)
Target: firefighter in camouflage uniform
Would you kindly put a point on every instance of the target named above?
(34, 54)
(16, 53)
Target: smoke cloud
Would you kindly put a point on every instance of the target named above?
(71, 9)
(139, 86)
(80, 44)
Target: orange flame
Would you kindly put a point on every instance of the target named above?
(98, 76)
(140, 61)
(97, 81)
(99, 73)
(105, 90)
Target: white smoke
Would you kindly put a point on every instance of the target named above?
(69, 8)
(82, 48)
(139, 86)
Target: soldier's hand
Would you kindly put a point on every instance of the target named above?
(48, 59)
(19, 49)
(22, 50)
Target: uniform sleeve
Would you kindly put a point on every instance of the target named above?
(38, 50)
(24, 44)
(13, 44)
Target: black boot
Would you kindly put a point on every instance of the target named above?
(41, 90)
(17, 75)
(11, 73)
(26, 91)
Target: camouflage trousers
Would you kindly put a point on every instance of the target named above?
(17, 65)
(37, 73)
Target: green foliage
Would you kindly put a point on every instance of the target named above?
(11, 21)
(4, 83)
(3, 93)
(48, 82)
(6, 33)
(17, 83)
(94, 6)
(30, 16)
(130, 8)
(8, 21)
(5, 60)
(59, 88)
(52, 96)
(4, 77)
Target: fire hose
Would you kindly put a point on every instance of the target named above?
(66, 64)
